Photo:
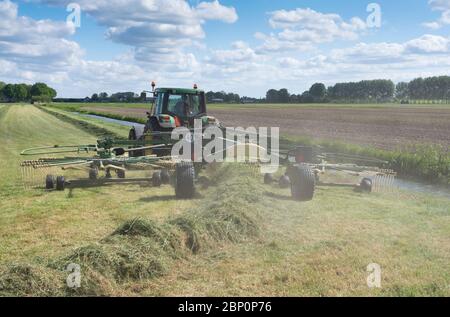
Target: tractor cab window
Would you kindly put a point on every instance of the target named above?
(184, 105)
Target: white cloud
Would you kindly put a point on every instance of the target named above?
(215, 11)
(161, 34)
(301, 28)
(428, 44)
(240, 53)
(444, 7)
(154, 26)
(440, 4)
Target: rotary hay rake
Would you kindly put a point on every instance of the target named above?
(306, 167)
(111, 155)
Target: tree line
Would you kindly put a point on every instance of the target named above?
(118, 97)
(39, 92)
(222, 96)
(363, 91)
(431, 89)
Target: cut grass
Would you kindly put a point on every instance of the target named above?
(247, 239)
(142, 249)
(38, 223)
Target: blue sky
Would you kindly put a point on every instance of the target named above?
(241, 46)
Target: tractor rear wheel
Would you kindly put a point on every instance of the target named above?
(156, 179)
(185, 176)
(60, 183)
(303, 182)
(49, 182)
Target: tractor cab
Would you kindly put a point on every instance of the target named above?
(173, 108)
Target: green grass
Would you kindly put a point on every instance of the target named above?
(36, 223)
(236, 238)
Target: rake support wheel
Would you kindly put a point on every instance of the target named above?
(165, 176)
(185, 176)
(49, 182)
(93, 174)
(303, 182)
(156, 179)
(60, 183)
(120, 174)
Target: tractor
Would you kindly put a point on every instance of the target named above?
(172, 108)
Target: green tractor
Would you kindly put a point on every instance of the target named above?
(172, 108)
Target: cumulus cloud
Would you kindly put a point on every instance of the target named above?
(154, 26)
(444, 7)
(31, 43)
(161, 35)
(302, 28)
(215, 11)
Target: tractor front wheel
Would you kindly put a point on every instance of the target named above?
(185, 176)
(303, 182)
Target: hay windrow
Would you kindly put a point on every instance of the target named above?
(29, 280)
(143, 249)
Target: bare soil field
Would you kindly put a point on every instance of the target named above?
(383, 128)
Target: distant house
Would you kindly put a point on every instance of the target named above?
(217, 100)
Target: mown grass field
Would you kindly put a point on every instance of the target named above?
(252, 240)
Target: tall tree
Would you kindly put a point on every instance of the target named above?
(318, 91)
(8, 92)
(2, 86)
(20, 92)
(272, 96)
(402, 91)
(283, 95)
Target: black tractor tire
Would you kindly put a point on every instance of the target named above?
(156, 179)
(366, 185)
(132, 136)
(268, 179)
(49, 182)
(60, 183)
(185, 177)
(93, 174)
(165, 176)
(303, 182)
(120, 174)
(284, 182)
